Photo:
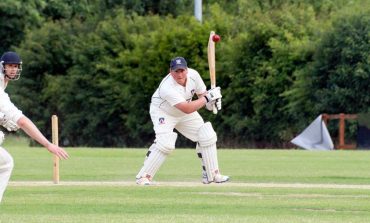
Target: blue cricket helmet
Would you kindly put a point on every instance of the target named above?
(11, 58)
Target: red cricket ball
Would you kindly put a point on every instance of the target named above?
(216, 38)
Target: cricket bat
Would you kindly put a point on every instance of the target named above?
(212, 64)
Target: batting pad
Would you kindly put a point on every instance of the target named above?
(207, 147)
(152, 163)
(166, 142)
(206, 135)
(204, 172)
(199, 153)
(157, 154)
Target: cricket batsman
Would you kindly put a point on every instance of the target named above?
(172, 108)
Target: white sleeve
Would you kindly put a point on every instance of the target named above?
(8, 108)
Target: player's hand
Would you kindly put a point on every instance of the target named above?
(11, 126)
(56, 150)
(213, 94)
(217, 103)
(7, 123)
(209, 105)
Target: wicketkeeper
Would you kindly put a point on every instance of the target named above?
(12, 118)
(172, 108)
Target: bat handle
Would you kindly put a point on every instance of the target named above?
(214, 109)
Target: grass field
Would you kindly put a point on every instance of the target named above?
(97, 185)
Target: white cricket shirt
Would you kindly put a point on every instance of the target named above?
(169, 93)
(6, 106)
(2, 81)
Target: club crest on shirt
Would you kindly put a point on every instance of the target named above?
(161, 121)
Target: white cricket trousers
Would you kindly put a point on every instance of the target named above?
(188, 125)
(6, 167)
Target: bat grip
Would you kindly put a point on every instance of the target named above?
(214, 109)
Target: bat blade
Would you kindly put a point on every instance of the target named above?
(212, 63)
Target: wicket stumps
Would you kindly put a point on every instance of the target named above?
(55, 139)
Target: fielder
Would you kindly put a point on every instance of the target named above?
(12, 119)
(172, 108)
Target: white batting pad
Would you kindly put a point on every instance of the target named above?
(6, 167)
(210, 161)
(207, 147)
(204, 173)
(152, 163)
(206, 135)
(158, 152)
(166, 142)
(315, 137)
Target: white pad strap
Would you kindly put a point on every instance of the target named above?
(207, 147)
(166, 142)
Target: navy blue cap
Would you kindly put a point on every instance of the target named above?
(178, 63)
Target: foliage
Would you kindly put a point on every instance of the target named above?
(341, 72)
(336, 81)
(273, 47)
(279, 64)
(16, 17)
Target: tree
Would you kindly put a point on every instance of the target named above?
(341, 71)
(261, 66)
(17, 17)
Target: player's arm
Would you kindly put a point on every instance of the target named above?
(15, 115)
(192, 106)
(209, 105)
(31, 130)
(208, 97)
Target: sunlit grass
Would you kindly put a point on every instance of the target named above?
(198, 203)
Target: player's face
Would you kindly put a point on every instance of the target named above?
(180, 76)
(11, 70)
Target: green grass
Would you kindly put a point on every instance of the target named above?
(199, 203)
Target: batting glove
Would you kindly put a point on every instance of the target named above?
(213, 94)
(218, 104)
(8, 124)
(209, 105)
